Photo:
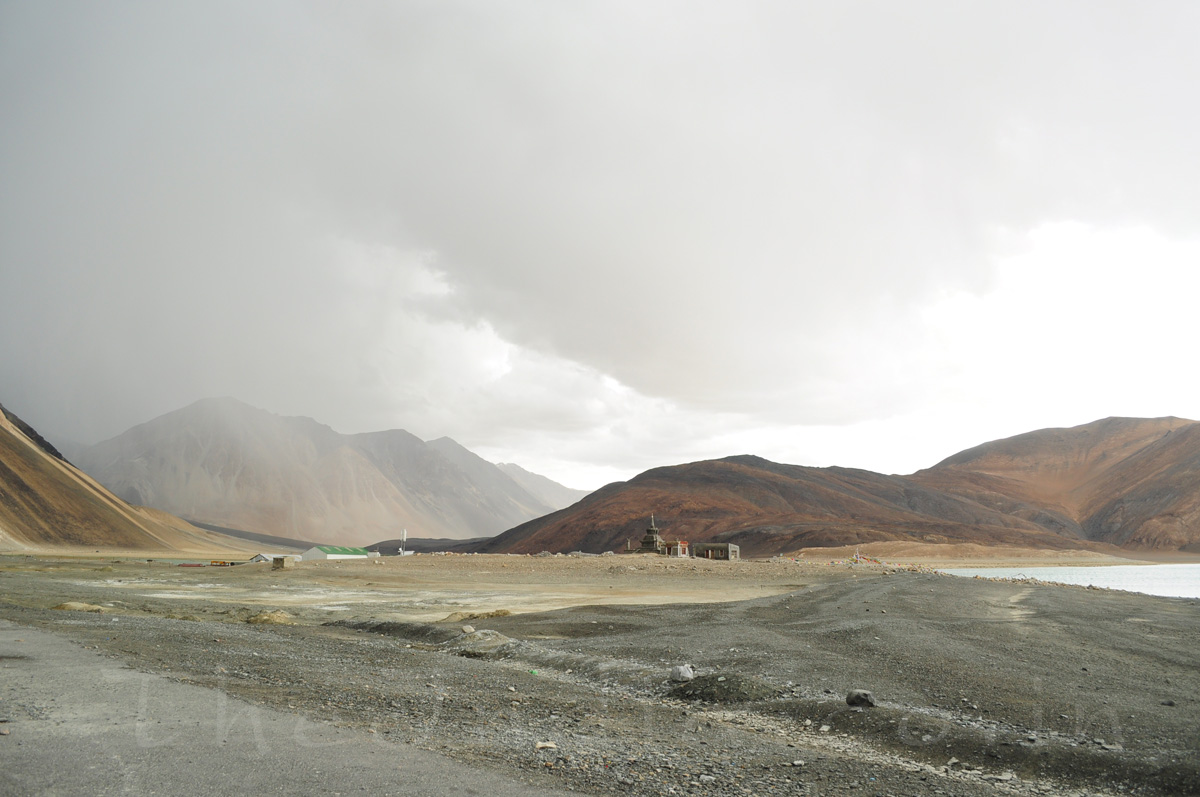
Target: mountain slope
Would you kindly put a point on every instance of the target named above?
(1153, 499)
(1133, 482)
(223, 462)
(547, 491)
(507, 497)
(47, 502)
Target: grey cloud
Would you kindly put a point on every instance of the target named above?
(736, 208)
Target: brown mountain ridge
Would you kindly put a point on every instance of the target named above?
(1129, 482)
(1132, 482)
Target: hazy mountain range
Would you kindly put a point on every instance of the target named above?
(1122, 481)
(1127, 482)
(223, 462)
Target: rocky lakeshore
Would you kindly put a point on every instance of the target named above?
(980, 687)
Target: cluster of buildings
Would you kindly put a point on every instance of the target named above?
(317, 552)
(653, 542)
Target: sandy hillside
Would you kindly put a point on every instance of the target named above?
(46, 503)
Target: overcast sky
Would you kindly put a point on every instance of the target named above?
(597, 237)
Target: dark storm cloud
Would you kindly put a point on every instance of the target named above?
(443, 215)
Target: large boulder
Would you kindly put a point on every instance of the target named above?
(860, 697)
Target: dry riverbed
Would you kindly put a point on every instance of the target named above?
(981, 687)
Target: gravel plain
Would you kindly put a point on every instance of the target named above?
(981, 687)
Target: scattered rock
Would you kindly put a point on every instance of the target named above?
(682, 673)
(723, 689)
(468, 629)
(477, 644)
(860, 697)
(460, 617)
(546, 746)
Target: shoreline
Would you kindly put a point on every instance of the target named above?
(963, 556)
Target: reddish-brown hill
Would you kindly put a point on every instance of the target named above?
(766, 507)
(1133, 482)
(1120, 481)
(46, 502)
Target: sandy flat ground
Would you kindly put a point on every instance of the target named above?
(419, 588)
(430, 587)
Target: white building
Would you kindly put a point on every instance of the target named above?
(335, 552)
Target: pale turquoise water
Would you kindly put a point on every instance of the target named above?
(1173, 581)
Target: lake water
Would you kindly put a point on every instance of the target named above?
(1172, 581)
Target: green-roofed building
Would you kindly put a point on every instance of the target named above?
(334, 552)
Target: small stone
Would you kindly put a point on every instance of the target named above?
(824, 729)
(797, 763)
(468, 629)
(682, 673)
(707, 779)
(1167, 703)
(546, 746)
